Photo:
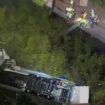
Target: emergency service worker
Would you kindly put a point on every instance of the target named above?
(93, 18)
(83, 20)
(92, 13)
(70, 12)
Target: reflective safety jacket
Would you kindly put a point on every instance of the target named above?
(70, 12)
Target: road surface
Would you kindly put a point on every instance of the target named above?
(98, 31)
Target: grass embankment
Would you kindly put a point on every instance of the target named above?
(98, 2)
(31, 38)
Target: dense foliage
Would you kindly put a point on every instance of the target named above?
(28, 36)
(99, 2)
(37, 41)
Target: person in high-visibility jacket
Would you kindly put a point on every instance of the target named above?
(83, 19)
(69, 12)
(94, 19)
(83, 22)
(92, 13)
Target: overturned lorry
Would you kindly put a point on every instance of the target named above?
(52, 88)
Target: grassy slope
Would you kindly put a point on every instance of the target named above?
(98, 2)
(28, 36)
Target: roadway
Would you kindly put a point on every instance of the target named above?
(98, 31)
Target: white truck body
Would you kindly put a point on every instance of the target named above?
(80, 95)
